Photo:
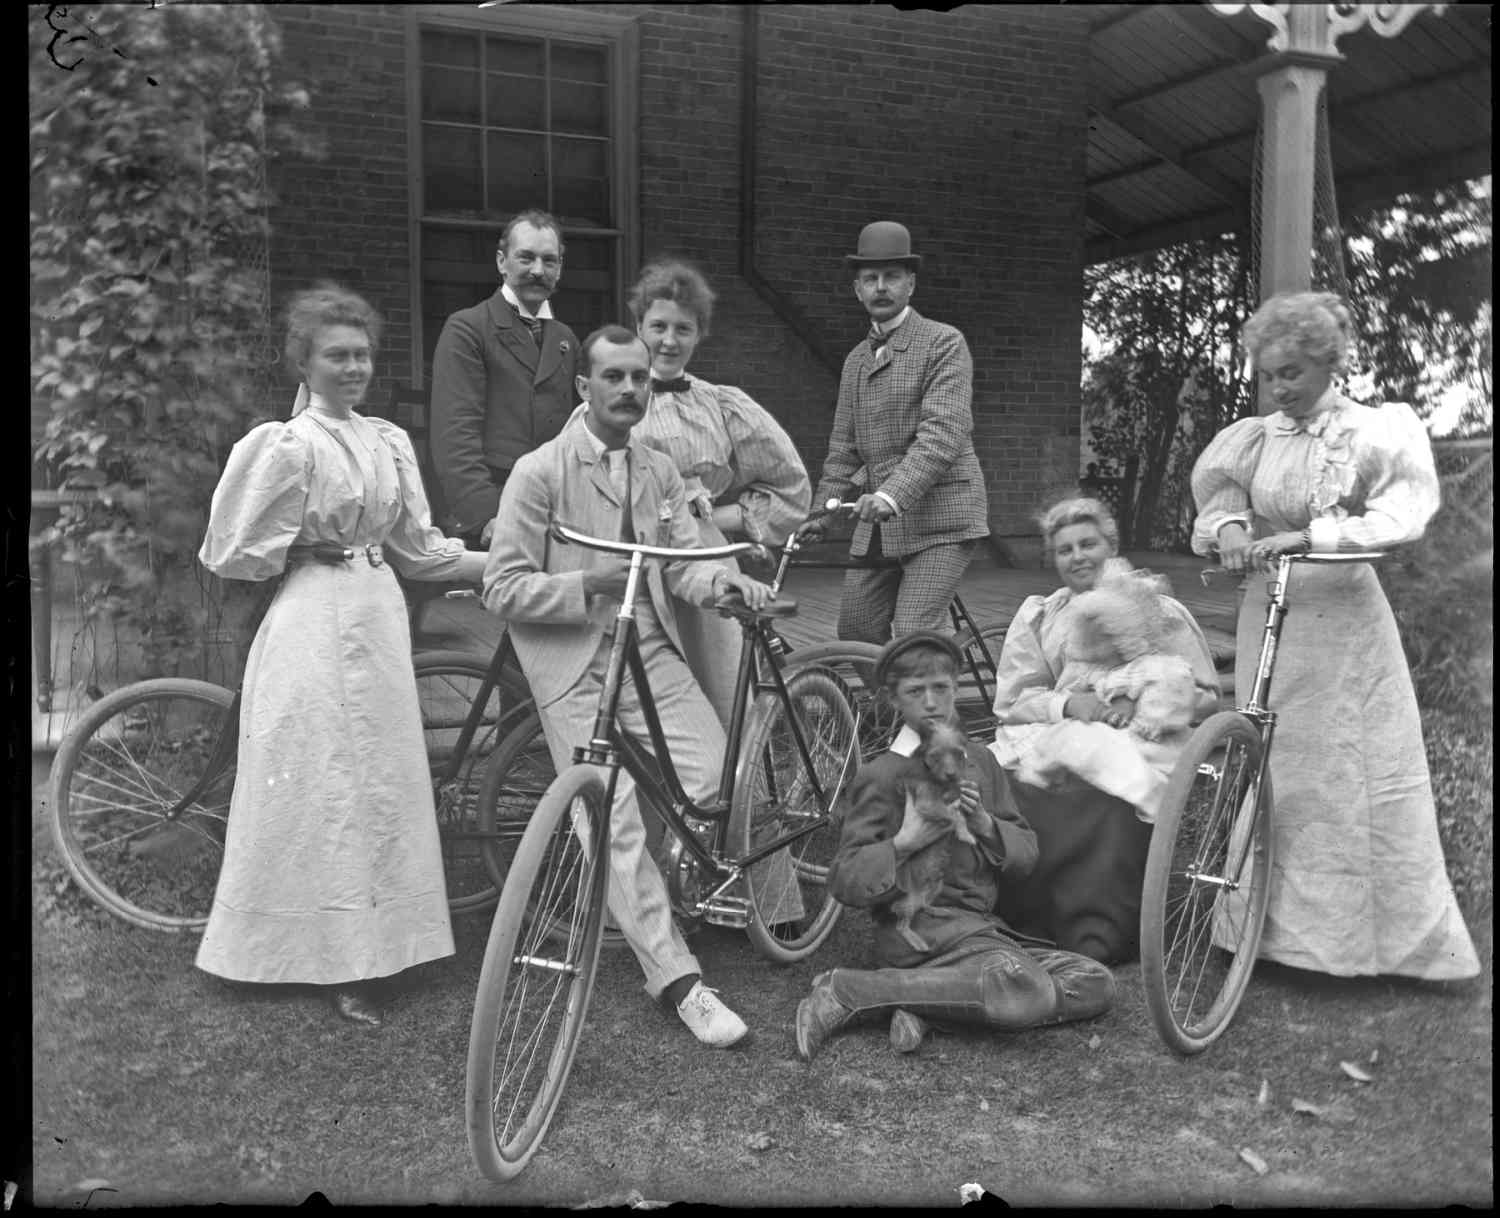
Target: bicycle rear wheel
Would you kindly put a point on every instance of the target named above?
(976, 680)
(853, 664)
(791, 909)
(448, 684)
(538, 974)
(1207, 881)
(116, 781)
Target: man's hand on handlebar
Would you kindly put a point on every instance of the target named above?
(872, 508)
(607, 577)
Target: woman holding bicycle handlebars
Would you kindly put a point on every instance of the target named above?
(1358, 886)
(332, 872)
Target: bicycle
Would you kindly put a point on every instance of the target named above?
(1208, 869)
(788, 756)
(854, 662)
(140, 787)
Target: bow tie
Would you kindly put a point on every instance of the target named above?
(677, 385)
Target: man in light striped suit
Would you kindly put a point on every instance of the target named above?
(904, 415)
(560, 603)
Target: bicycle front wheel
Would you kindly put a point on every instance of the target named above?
(448, 686)
(853, 664)
(791, 910)
(1207, 880)
(538, 974)
(116, 784)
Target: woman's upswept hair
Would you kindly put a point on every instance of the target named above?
(1077, 509)
(671, 279)
(325, 304)
(1319, 323)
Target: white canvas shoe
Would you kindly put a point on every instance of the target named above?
(709, 1019)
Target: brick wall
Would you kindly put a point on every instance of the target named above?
(344, 216)
(968, 127)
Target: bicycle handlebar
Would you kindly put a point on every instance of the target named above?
(572, 537)
(1331, 557)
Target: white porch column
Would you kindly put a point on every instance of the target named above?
(1288, 174)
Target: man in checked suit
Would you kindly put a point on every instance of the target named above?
(560, 603)
(904, 416)
(502, 377)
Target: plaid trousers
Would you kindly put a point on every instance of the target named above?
(888, 602)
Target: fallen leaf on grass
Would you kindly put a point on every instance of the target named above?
(1374, 1056)
(1264, 1097)
(1306, 1108)
(1354, 1072)
(1094, 1041)
(760, 1141)
(1256, 1163)
(984, 1105)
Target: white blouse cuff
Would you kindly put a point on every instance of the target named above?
(1056, 706)
(1323, 532)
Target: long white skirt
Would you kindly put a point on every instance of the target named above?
(333, 870)
(1358, 886)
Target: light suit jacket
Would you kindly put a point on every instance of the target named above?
(495, 396)
(535, 583)
(907, 417)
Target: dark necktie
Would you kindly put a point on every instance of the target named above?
(877, 341)
(678, 385)
(534, 324)
(627, 517)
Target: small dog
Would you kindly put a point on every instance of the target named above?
(920, 876)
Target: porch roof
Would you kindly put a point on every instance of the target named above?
(1173, 108)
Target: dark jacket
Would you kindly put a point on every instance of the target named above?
(495, 397)
(864, 866)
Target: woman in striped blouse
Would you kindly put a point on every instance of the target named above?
(745, 481)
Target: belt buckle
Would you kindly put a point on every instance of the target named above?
(372, 557)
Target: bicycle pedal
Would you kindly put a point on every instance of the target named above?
(727, 911)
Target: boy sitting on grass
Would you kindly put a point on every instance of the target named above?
(975, 970)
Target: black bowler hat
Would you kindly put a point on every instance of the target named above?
(884, 242)
(917, 638)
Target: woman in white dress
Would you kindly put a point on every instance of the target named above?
(333, 872)
(1084, 893)
(1358, 886)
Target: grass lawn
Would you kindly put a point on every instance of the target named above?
(164, 1084)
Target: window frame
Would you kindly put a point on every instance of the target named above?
(619, 37)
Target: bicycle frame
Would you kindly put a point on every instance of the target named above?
(1257, 707)
(653, 770)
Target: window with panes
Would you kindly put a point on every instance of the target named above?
(511, 120)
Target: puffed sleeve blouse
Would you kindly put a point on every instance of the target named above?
(723, 442)
(293, 482)
(1359, 477)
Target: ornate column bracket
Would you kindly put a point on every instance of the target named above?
(1316, 29)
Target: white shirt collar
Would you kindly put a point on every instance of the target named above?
(894, 322)
(544, 313)
(596, 445)
(906, 742)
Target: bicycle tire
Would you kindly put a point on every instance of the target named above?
(527, 991)
(1201, 914)
(447, 684)
(129, 759)
(515, 779)
(853, 664)
(772, 796)
(975, 702)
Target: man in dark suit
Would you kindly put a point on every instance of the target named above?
(502, 377)
(904, 416)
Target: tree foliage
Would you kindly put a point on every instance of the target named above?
(1167, 372)
(150, 130)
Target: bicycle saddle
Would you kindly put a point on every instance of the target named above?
(732, 604)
